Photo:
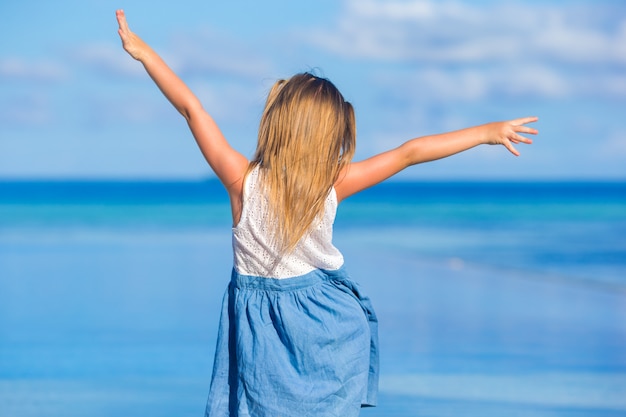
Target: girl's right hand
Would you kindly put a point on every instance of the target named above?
(131, 42)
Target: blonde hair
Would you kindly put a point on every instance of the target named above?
(307, 135)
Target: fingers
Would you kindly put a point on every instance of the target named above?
(524, 120)
(518, 127)
(121, 21)
(525, 129)
(510, 147)
(512, 130)
(515, 137)
(519, 138)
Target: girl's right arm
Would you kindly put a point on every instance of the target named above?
(228, 164)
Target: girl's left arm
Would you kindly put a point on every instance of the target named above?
(228, 164)
(361, 175)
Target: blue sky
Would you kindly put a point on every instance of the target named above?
(74, 105)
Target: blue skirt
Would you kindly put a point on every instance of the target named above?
(303, 346)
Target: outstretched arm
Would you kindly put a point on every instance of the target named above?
(228, 164)
(361, 175)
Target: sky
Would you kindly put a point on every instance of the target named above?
(74, 105)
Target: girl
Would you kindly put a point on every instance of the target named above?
(297, 337)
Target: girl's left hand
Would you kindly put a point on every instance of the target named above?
(508, 133)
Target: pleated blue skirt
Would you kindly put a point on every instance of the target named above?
(303, 346)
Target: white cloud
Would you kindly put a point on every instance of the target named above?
(438, 85)
(615, 146)
(230, 102)
(135, 108)
(207, 53)
(510, 49)
(202, 53)
(213, 66)
(31, 109)
(107, 59)
(611, 85)
(454, 32)
(16, 68)
(562, 36)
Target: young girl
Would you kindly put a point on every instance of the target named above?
(297, 337)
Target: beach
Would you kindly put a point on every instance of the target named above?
(490, 302)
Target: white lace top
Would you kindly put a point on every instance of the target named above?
(256, 255)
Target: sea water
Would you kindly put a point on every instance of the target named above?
(493, 298)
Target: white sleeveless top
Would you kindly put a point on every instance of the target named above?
(256, 255)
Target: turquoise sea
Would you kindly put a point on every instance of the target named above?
(494, 299)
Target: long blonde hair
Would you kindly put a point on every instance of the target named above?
(307, 135)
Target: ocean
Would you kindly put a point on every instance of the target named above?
(493, 298)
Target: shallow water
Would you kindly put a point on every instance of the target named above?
(489, 304)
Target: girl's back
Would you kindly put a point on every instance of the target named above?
(256, 251)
